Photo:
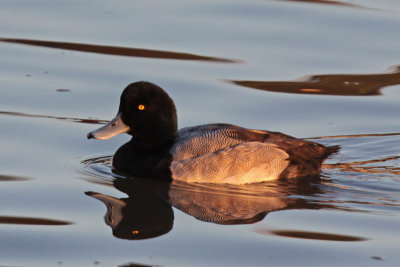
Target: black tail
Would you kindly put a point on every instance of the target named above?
(331, 150)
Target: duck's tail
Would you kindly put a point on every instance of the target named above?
(331, 150)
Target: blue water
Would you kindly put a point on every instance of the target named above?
(56, 85)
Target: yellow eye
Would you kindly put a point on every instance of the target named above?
(141, 107)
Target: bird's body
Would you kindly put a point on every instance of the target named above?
(211, 153)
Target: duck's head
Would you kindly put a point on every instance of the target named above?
(146, 112)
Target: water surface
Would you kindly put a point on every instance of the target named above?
(64, 64)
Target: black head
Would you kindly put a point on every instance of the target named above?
(146, 112)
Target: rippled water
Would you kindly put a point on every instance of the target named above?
(64, 64)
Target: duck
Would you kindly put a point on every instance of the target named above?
(216, 153)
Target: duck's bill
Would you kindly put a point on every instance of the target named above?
(114, 127)
(114, 208)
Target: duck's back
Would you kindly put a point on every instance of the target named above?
(204, 139)
(224, 153)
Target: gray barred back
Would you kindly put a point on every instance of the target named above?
(204, 139)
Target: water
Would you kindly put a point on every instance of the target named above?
(326, 70)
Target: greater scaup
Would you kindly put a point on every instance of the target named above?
(211, 153)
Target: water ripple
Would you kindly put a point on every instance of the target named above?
(118, 50)
(330, 84)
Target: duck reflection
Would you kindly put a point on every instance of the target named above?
(238, 204)
(147, 211)
(144, 214)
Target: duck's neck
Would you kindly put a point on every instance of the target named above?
(139, 157)
(150, 145)
(154, 137)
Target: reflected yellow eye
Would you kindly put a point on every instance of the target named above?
(141, 107)
(135, 232)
